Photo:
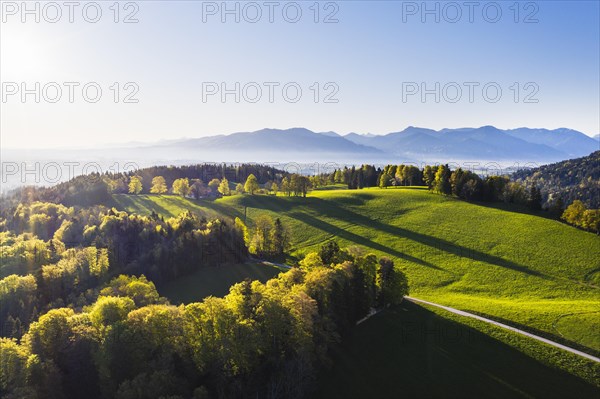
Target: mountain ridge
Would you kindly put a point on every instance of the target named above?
(413, 144)
(488, 141)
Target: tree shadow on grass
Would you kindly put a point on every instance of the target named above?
(356, 199)
(331, 209)
(410, 351)
(514, 208)
(175, 202)
(125, 202)
(346, 235)
(218, 208)
(437, 243)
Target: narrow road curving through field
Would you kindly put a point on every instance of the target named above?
(471, 315)
(502, 325)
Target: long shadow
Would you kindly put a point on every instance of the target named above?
(420, 354)
(441, 244)
(339, 232)
(514, 208)
(357, 199)
(125, 201)
(219, 208)
(330, 209)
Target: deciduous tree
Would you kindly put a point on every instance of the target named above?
(224, 187)
(159, 186)
(239, 188)
(442, 180)
(285, 186)
(135, 185)
(251, 184)
(385, 180)
(214, 185)
(181, 187)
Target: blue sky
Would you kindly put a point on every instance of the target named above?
(368, 61)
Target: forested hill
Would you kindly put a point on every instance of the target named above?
(570, 180)
(96, 189)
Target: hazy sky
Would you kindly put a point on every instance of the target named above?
(369, 68)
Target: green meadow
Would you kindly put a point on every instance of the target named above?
(425, 352)
(523, 269)
(215, 281)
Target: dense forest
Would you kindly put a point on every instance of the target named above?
(261, 340)
(574, 179)
(53, 255)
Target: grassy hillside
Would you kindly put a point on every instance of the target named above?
(422, 352)
(170, 205)
(215, 281)
(515, 267)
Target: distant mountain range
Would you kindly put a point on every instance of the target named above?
(413, 144)
(485, 143)
(507, 148)
(273, 141)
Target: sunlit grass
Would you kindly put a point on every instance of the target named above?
(521, 268)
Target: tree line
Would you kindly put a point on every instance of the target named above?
(469, 186)
(293, 184)
(577, 214)
(96, 188)
(574, 179)
(196, 181)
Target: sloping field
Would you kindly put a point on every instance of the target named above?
(519, 268)
(413, 351)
